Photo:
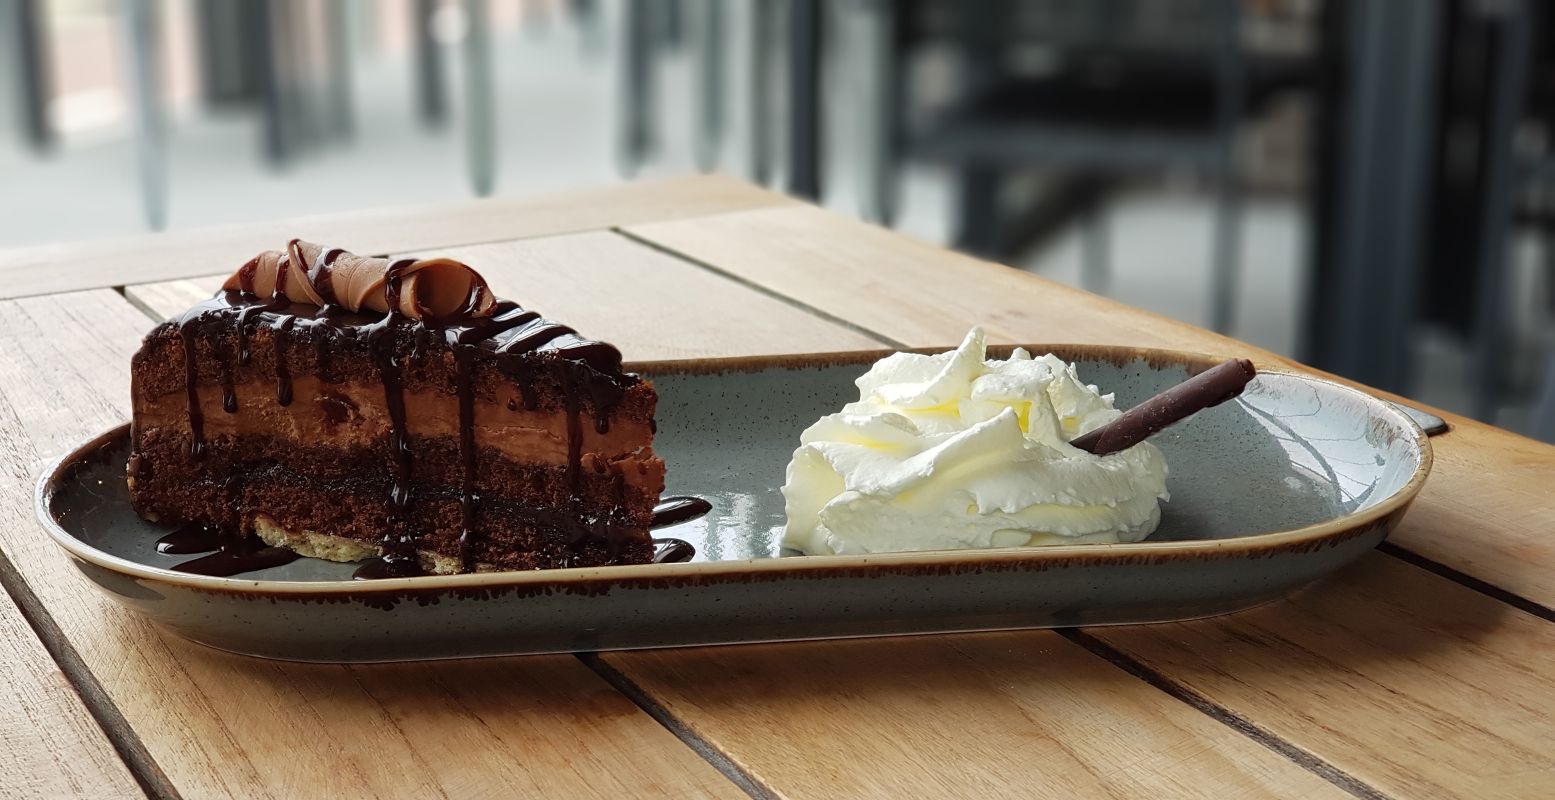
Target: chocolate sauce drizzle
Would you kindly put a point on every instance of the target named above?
(192, 537)
(187, 332)
(228, 555)
(669, 512)
(283, 374)
(520, 344)
(675, 510)
(237, 557)
(672, 551)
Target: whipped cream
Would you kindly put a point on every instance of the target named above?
(958, 451)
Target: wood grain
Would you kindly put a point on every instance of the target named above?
(1413, 684)
(656, 306)
(158, 257)
(1380, 672)
(51, 746)
(1024, 714)
(638, 298)
(167, 299)
(1485, 511)
(221, 725)
(911, 291)
(1399, 678)
(650, 305)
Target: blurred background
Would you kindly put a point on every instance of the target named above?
(1366, 185)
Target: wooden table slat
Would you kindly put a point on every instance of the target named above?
(981, 715)
(50, 746)
(1483, 512)
(651, 305)
(166, 256)
(1409, 682)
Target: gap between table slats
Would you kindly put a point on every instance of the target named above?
(706, 750)
(728, 766)
(716, 756)
(726, 761)
(1137, 666)
(122, 704)
(56, 269)
(120, 734)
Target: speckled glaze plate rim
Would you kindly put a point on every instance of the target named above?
(1305, 537)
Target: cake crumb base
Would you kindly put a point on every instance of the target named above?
(311, 544)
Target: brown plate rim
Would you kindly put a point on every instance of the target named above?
(1303, 538)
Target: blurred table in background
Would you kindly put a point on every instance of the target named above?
(1417, 173)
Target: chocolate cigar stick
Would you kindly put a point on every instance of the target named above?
(1211, 387)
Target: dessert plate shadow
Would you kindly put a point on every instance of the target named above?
(1287, 483)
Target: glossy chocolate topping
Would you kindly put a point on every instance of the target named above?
(382, 303)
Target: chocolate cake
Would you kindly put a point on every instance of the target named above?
(345, 407)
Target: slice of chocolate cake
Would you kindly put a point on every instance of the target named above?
(346, 407)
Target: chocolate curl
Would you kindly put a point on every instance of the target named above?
(1209, 388)
(428, 289)
(265, 273)
(443, 287)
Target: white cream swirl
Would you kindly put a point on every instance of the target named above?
(957, 451)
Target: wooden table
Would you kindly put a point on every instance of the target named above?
(1427, 669)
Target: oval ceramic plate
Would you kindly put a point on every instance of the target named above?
(1287, 483)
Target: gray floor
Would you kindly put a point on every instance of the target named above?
(556, 125)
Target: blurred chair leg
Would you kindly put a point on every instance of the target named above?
(977, 210)
(1507, 83)
(759, 49)
(535, 17)
(295, 26)
(480, 99)
(337, 54)
(667, 23)
(29, 46)
(1231, 89)
(228, 77)
(1226, 257)
(804, 92)
(707, 53)
(1547, 250)
(881, 88)
(144, 40)
(431, 97)
(634, 87)
(266, 69)
(1095, 254)
(1365, 286)
(1543, 427)
(590, 19)
(366, 27)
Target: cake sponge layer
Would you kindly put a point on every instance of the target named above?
(523, 517)
(164, 477)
